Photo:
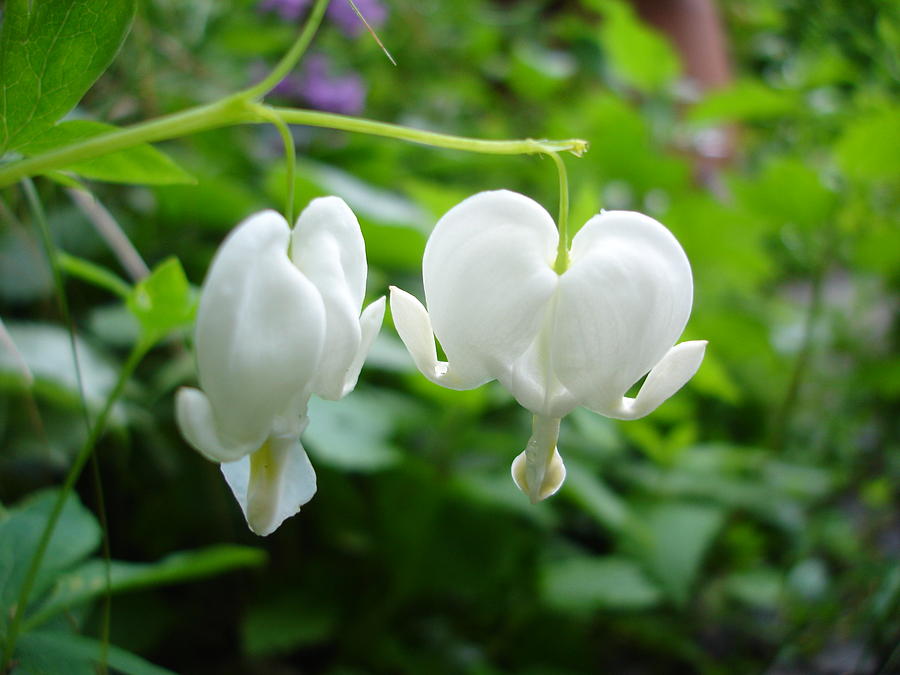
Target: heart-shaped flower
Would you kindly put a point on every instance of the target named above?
(555, 341)
(279, 320)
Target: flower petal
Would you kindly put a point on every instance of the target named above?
(259, 334)
(414, 328)
(197, 424)
(328, 247)
(623, 302)
(488, 277)
(272, 484)
(539, 471)
(668, 376)
(369, 324)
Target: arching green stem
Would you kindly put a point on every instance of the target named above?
(562, 252)
(293, 55)
(290, 157)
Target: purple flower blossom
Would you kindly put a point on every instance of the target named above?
(318, 87)
(344, 94)
(339, 11)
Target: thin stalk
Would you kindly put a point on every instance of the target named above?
(222, 113)
(84, 454)
(801, 364)
(293, 55)
(40, 217)
(290, 156)
(235, 110)
(562, 252)
(528, 146)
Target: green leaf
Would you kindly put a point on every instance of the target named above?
(595, 497)
(93, 274)
(585, 583)
(755, 588)
(58, 653)
(286, 622)
(788, 193)
(747, 100)
(639, 55)
(89, 580)
(142, 164)
(47, 352)
(163, 301)
(50, 55)
(353, 434)
(76, 535)
(673, 542)
(870, 147)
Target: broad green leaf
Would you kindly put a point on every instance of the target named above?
(47, 352)
(143, 164)
(354, 433)
(639, 55)
(76, 535)
(585, 583)
(673, 543)
(870, 147)
(286, 622)
(163, 301)
(788, 193)
(58, 653)
(756, 588)
(89, 580)
(51, 52)
(595, 497)
(746, 100)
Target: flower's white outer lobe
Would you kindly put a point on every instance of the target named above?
(272, 329)
(584, 337)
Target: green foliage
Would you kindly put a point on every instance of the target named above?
(50, 55)
(745, 526)
(143, 164)
(163, 302)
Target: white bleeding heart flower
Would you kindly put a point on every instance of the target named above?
(279, 320)
(555, 341)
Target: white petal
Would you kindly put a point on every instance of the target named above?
(328, 247)
(369, 323)
(668, 376)
(272, 484)
(539, 471)
(488, 276)
(414, 328)
(260, 330)
(623, 302)
(197, 424)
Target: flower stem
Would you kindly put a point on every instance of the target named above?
(290, 157)
(528, 146)
(562, 252)
(137, 353)
(236, 110)
(293, 55)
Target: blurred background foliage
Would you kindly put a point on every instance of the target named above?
(749, 525)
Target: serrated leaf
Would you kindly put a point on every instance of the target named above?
(142, 164)
(163, 301)
(585, 583)
(50, 55)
